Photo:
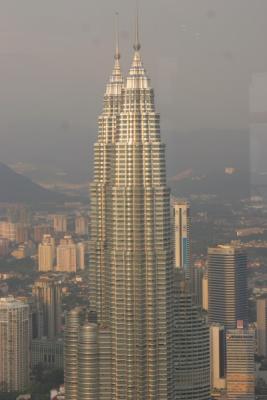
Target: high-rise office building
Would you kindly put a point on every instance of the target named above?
(66, 255)
(46, 254)
(131, 238)
(240, 346)
(227, 285)
(14, 344)
(191, 348)
(181, 211)
(217, 357)
(262, 327)
(60, 223)
(47, 295)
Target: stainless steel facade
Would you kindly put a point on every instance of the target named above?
(191, 349)
(88, 384)
(74, 319)
(131, 245)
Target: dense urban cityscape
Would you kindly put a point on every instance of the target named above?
(139, 292)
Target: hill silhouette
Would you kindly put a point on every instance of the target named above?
(16, 188)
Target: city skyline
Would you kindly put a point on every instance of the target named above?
(147, 289)
(187, 51)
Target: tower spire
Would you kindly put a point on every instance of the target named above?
(137, 77)
(137, 44)
(115, 83)
(117, 51)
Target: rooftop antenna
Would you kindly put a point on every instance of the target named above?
(117, 52)
(137, 45)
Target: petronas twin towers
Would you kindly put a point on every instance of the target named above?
(145, 340)
(131, 247)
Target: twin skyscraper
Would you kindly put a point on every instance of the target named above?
(131, 246)
(128, 354)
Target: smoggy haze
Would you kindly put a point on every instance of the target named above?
(55, 55)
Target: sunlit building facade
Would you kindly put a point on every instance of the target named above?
(66, 255)
(46, 254)
(131, 239)
(240, 378)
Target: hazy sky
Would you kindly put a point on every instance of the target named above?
(56, 56)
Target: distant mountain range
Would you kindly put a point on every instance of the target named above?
(16, 188)
(226, 186)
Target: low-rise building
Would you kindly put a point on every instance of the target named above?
(48, 352)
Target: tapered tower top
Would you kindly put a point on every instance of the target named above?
(115, 84)
(137, 78)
